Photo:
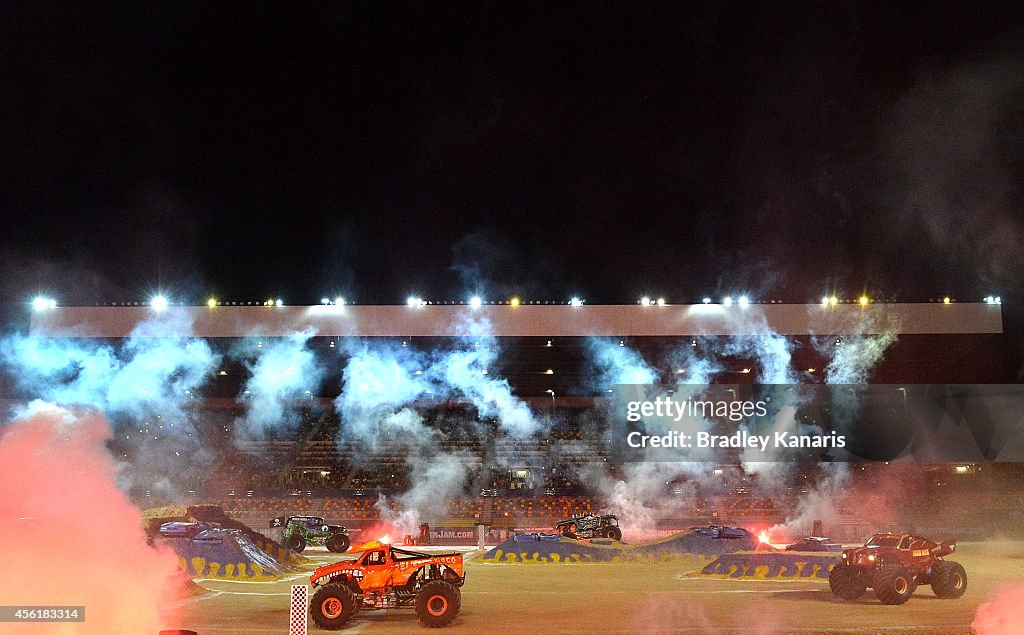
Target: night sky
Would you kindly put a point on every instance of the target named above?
(606, 150)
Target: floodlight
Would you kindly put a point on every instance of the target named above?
(41, 304)
(159, 303)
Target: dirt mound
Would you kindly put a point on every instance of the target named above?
(215, 514)
(562, 550)
(153, 518)
(696, 544)
(542, 549)
(231, 556)
(772, 565)
(234, 551)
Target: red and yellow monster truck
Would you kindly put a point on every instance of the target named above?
(382, 577)
(894, 565)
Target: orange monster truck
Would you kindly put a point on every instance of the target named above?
(383, 577)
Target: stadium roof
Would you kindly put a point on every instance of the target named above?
(436, 320)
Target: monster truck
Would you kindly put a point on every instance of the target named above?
(383, 577)
(718, 531)
(184, 529)
(300, 531)
(815, 543)
(894, 565)
(590, 526)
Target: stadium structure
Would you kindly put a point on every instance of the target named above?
(546, 355)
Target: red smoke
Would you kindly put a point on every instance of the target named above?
(384, 532)
(70, 536)
(1003, 615)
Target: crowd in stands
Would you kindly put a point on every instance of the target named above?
(312, 466)
(315, 453)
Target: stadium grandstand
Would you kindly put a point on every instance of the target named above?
(545, 353)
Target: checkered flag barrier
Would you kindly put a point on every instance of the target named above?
(297, 616)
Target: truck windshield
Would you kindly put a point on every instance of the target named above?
(884, 541)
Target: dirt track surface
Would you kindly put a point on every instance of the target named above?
(664, 597)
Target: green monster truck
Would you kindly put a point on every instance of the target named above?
(300, 531)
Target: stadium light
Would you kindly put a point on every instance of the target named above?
(661, 301)
(339, 301)
(644, 301)
(727, 301)
(514, 301)
(414, 301)
(41, 304)
(744, 300)
(706, 300)
(212, 302)
(946, 300)
(824, 300)
(990, 300)
(325, 300)
(475, 302)
(158, 303)
(279, 302)
(833, 300)
(863, 300)
(575, 302)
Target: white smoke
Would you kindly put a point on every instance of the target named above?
(464, 374)
(145, 387)
(615, 363)
(852, 358)
(281, 371)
